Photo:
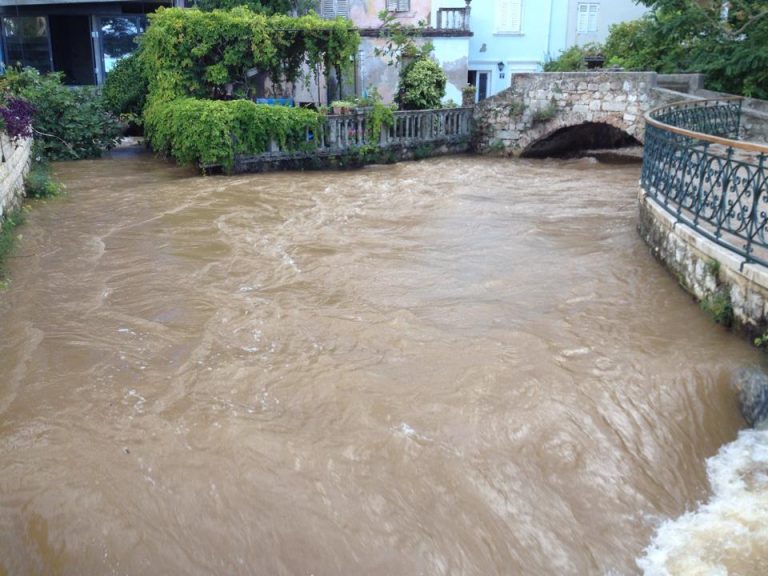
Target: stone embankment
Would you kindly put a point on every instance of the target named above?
(14, 165)
(703, 205)
(711, 273)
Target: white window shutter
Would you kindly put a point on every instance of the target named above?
(582, 23)
(509, 15)
(334, 8)
(593, 12)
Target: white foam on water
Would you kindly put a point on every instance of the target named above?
(728, 535)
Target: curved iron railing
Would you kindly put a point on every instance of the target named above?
(697, 170)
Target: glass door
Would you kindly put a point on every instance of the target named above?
(27, 42)
(116, 38)
(482, 85)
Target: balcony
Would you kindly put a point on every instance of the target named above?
(453, 19)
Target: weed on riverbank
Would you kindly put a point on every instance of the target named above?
(7, 240)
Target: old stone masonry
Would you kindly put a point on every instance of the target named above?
(536, 106)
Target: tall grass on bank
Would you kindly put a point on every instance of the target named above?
(7, 240)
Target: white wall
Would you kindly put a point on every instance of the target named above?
(542, 35)
(451, 53)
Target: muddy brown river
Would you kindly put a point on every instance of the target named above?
(455, 366)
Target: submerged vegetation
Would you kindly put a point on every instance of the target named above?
(7, 239)
(39, 182)
(719, 307)
(211, 132)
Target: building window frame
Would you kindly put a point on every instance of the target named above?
(587, 17)
(330, 9)
(509, 17)
(398, 5)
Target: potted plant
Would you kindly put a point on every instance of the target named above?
(342, 106)
(468, 95)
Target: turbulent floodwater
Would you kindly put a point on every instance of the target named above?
(455, 366)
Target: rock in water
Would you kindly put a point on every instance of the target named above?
(752, 384)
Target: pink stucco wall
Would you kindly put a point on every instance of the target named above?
(364, 13)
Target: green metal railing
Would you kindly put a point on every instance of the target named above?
(697, 170)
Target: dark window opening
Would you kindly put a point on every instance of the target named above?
(72, 48)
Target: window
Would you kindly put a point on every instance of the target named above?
(118, 38)
(586, 21)
(508, 16)
(398, 5)
(334, 8)
(28, 42)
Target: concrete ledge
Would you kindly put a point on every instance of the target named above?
(343, 159)
(691, 258)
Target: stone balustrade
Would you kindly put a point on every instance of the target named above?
(431, 131)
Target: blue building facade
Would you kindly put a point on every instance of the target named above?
(521, 35)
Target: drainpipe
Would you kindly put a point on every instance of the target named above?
(549, 28)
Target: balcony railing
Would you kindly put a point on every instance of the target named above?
(453, 19)
(697, 170)
(410, 128)
(349, 133)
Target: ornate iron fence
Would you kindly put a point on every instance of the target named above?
(696, 169)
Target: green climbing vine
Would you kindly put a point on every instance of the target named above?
(199, 63)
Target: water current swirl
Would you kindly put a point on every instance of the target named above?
(456, 366)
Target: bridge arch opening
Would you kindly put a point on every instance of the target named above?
(573, 141)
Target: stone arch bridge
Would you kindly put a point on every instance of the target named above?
(542, 114)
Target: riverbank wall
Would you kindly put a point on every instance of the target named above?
(15, 157)
(723, 282)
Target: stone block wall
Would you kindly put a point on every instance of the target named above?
(14, 164)
(538, 104)
(704, 268)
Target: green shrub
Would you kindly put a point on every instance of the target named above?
(39, 182)
(570, 60)
(422, 85)
(212, 132)
(546, 113)
(7, 239)
(263, 6)
(209, 54)
(70, 123)
(719, 307)
(125, 90)
(690, 36)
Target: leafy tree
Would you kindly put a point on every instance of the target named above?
(269, 7)
(729, 45)
(400, 40)
(125, 90)
(422, 85)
